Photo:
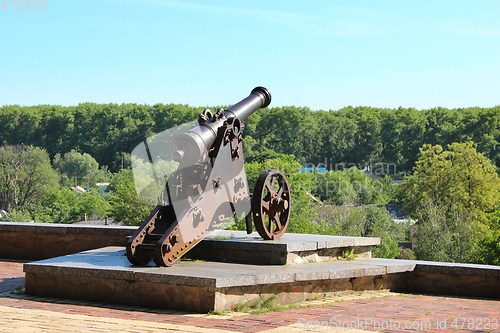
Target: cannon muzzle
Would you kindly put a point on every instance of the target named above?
(188, 148)
(259, 98)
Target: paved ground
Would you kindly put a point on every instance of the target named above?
(370, 311)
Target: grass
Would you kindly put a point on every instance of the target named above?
(217, 313)
(188, 260)
(264, 305)
(219, 237)
(19, 290)
(348, 254)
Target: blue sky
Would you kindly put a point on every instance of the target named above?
(320, 54)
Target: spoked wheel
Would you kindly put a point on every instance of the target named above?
(271, 204)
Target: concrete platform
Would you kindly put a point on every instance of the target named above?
(202, 286)
(238, 246)
(106, 275)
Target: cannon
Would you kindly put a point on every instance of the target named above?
(209, 187)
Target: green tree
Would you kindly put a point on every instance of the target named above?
(25, 175)
(91, 203)
(58, 206)
(450, 194)
(352, 186)
(368, 221)
(445, 235)
(308, 215)
(380, 224)
(459, 176)
(80, 169)
(488, 251)
(125, 205)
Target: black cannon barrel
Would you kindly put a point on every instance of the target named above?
(259, 98)
(188, 148)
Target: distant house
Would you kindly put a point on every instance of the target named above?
(78, 189)
(370, 174)
(397, 212)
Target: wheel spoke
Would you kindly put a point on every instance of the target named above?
(269, 187)
(280, 192)
(277, 219)
(265, 206)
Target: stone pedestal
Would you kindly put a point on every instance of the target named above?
(105, 274)
(231, 268)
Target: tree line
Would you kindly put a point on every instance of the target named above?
(360, 136)
(449, 159)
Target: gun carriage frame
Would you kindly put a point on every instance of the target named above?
(209, 187)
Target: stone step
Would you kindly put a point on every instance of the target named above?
(238, 246)
(106, 275)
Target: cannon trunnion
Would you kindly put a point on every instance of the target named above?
(209, 187)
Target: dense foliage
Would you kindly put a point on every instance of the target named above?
(323, 202)
(456, 177)
(385, 139)
(453, 193)
(25, 174)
